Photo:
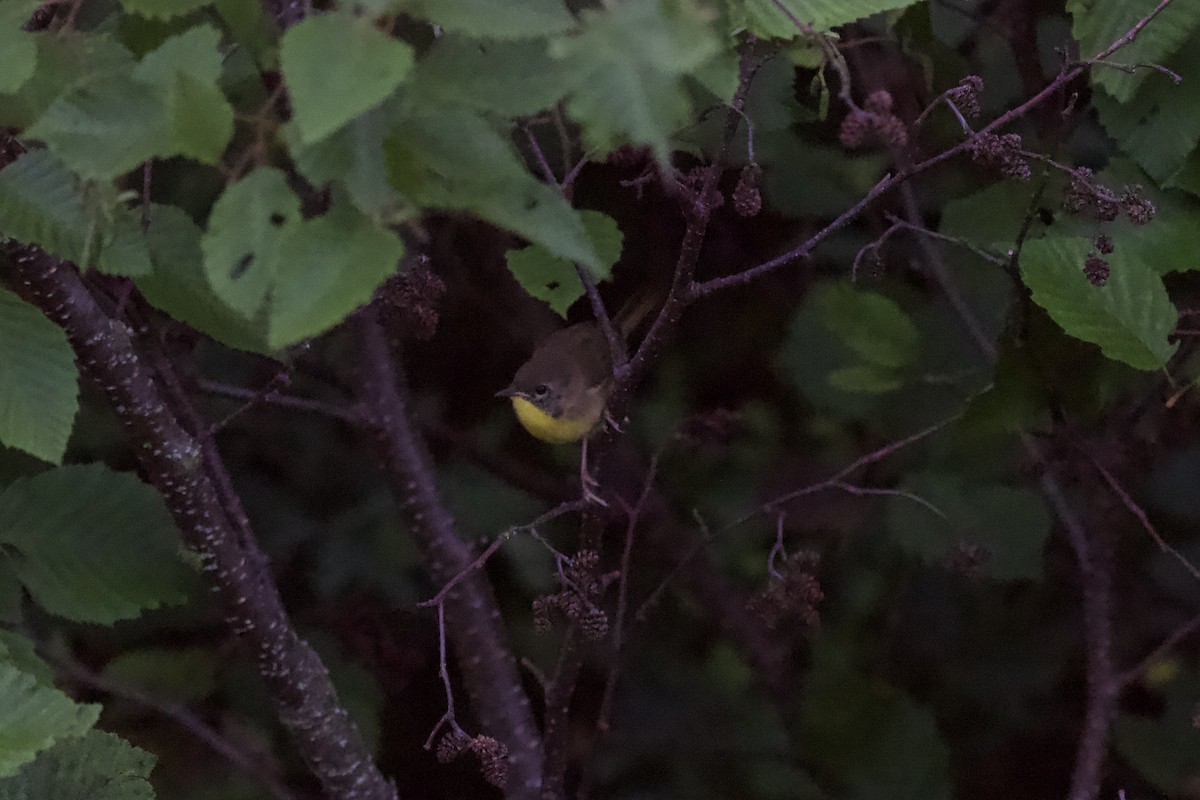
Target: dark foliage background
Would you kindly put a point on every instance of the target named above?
(922, 625)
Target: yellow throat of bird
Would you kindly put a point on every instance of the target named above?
(548, 428)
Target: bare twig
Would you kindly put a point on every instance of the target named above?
(269, 395)
(889, 182)
(1140, 513)
(1136, 672)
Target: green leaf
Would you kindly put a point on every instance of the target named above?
(1171, 242)
(168, 106)
(32, 718)
(328, 267)
(512, 19)
(872, 326)
(41, 203)
(64, 59)
(39, 384)
(336, 67)
(351, 157)
(1159, 127)
(510, 78)
(247, 227)
(1010, 525)
(1129, 318)
(866, 379)
(178, 285)
(18, 651)
(95, 766)
(18, 46)
(123, 249)
(626, 67)
(553, 279)
(105, 127)
(163, 9)
(764, 18)
(991, 217)
(185, 68)
(201, 119)
(92, 545)
(1099, 23)
(456, 160)
(195, 53)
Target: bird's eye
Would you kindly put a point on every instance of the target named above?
(541, 390)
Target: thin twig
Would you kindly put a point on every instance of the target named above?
(269, 395)
(889, 182)
(1136, 672)
(530, 527)
(1140, 513)
(836, 481)
(634, 514)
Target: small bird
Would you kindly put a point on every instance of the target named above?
(560, 394)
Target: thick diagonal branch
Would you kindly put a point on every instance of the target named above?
(183, 468)
(472, 617)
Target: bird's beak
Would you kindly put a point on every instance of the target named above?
(508, 392)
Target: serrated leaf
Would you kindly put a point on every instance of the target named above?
(626, 67)
(1098, 23)
(764, 18)
(352, 156)
(326, 92)
(162, 9)
(1009, 525)
(178, 285)
(328, 267)
(1129, 318)
(105, 127)
(553, 279)
(32, 718)
(41, 203)
(247, 227)
(871, 325)
(95, 766)
(92, 545)
(457, 160)
(510, 78)
(513, 19)
(39, 384)
(18, 46)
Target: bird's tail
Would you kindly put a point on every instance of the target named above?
(636, 311)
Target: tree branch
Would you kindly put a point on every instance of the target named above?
(472, 617)
(189, 474)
